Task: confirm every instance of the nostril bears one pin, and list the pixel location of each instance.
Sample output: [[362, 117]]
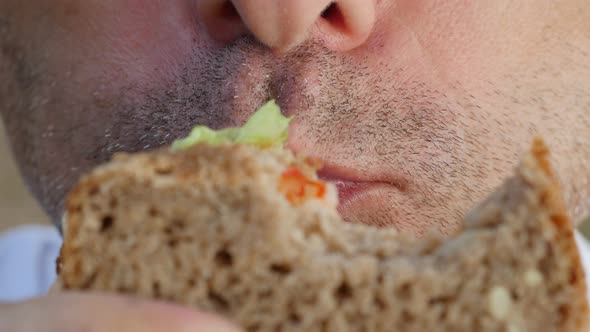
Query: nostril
[[345, 24], [333, 15], [228, 11], [221, 19], [329, 10]]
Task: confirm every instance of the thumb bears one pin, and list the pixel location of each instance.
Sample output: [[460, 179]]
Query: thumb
[[69, 312]]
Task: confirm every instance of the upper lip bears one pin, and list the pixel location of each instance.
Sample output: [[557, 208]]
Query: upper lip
[[337, 173], [349, 173]]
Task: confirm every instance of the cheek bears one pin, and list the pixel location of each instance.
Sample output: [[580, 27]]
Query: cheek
[[127, 42], [448, 41], [152, 40]]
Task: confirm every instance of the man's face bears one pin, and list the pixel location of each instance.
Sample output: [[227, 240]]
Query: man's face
[[419, 108]]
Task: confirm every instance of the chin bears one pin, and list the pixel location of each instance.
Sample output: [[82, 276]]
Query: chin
[[385, 206]]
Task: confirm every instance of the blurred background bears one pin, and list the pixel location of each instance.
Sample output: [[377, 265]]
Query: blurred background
[[16, 204], [18, 207]]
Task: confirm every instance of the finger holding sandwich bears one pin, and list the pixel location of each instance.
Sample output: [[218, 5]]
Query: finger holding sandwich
[[76, 312]]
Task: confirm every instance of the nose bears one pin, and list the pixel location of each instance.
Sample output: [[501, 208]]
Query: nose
[[284, 24]]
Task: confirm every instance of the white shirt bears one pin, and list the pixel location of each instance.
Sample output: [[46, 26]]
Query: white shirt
[[27, 261], [28, 254]]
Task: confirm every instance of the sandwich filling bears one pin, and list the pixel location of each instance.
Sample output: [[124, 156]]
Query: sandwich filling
[[266, 128]]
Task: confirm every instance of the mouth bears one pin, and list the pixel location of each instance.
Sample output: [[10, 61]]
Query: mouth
[[356, 187]]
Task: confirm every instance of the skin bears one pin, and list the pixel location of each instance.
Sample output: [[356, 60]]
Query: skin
[[81, 312], [428, 103]]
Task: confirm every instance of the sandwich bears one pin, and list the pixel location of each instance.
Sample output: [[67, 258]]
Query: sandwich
[[231, 222]]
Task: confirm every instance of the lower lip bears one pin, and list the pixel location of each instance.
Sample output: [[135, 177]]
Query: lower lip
[[352, 192], [348, 190]]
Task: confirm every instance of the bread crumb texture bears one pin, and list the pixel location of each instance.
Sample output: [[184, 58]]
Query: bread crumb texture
[[208, 228]]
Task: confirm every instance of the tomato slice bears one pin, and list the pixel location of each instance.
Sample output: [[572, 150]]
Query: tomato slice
[[298, 188], [315, 163]]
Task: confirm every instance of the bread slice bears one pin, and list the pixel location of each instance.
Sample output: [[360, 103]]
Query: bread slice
[[210, 227]]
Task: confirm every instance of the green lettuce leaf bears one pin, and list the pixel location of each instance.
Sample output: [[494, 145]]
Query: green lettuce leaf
[[266, 128]]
